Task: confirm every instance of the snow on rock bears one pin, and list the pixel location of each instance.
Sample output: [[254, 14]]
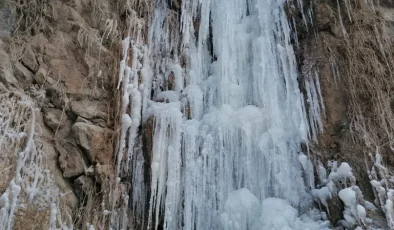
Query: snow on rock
[[342, 173], [241, 210], [348, 196], [279, 214], [170, 96]]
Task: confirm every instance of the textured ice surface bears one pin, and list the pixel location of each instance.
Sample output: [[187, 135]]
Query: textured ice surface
[[240, 91], [242, 210]]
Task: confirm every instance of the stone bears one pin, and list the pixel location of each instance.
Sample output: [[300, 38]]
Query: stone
[[83, 185], [95, 141], [6, 72], [23, 74], [70, 159], [57, 94], [29, 60], [55, 118], [90, 109], [41, 75]]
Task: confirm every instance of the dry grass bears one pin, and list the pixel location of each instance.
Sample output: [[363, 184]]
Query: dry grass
[[366, 52], [28, 15]]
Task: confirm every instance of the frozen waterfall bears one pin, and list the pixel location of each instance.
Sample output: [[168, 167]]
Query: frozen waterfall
[[222, 89]]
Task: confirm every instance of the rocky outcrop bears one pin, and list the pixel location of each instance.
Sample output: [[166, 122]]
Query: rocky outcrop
[[64, 60]]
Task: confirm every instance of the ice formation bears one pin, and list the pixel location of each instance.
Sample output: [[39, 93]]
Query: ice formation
[[228, 117], [243, 210]]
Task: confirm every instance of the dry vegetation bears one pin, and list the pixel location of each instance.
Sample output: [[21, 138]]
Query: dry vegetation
[[365, 54]]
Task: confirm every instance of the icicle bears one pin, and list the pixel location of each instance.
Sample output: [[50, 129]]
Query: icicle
[[245, 113]]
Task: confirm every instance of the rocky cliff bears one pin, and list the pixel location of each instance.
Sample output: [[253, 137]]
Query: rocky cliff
[[60, 57], [58, 102]]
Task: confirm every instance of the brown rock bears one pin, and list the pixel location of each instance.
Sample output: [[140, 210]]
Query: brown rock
[[90, 109], [55, 118], [95, 141], [70, 159]]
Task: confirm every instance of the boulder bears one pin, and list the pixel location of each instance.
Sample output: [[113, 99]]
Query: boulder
[[55, 118], [95, 141], [70, 159], [29, 60], [23, 74], [41, 75], [90, 109]]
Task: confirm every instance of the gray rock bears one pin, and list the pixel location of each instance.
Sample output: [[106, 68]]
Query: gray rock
[[6, 71], [29, 60], [70, 159], [41, 75], [23, 74]]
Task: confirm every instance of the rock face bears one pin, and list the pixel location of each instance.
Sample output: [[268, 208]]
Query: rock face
[[64, 60], [350, 82]]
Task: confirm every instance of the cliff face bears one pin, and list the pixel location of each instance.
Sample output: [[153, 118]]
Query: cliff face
[[351, 50], [58, 74], [61, 57]]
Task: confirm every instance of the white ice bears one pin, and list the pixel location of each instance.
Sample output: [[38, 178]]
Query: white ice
[[240, 90]]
